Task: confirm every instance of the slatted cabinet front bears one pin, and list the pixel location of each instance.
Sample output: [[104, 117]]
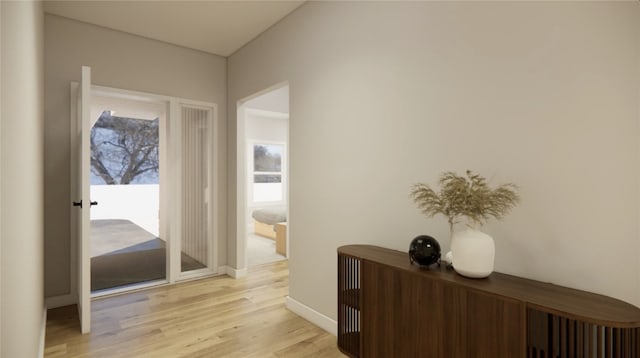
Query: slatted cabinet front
[[390, 308]]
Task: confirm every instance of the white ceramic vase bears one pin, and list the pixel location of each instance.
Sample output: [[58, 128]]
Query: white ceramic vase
[[473, 253]]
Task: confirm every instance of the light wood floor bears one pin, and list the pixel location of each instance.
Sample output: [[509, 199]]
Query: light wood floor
[[217, 317]]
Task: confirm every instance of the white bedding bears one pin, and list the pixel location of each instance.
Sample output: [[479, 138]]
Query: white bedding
[[270, 216]]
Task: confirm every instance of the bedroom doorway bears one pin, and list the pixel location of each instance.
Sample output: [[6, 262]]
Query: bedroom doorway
[[263, 185]]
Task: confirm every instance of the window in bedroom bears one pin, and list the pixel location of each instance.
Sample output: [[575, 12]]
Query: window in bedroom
[[267, 172]]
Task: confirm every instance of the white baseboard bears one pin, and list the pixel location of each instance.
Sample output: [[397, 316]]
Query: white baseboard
[[43, 332], [235, 273], [312, 315], [60, 301]]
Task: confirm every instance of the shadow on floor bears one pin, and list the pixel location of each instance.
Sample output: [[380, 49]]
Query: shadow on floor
[[142, 261]]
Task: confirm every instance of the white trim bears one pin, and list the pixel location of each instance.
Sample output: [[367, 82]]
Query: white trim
[[165, 190], [235, 273], [312, 315], [241, 187], [128, 288], [43, 332], [84, 240], [197, 274], [174, 210], [214, 172], [60, 301]]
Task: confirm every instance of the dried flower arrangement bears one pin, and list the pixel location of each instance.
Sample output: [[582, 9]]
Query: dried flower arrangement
[[469, 197]]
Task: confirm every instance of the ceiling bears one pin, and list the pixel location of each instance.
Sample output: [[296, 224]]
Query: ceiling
[[217, 27]]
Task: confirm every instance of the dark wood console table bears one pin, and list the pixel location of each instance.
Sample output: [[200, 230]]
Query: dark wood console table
[[389, 308]]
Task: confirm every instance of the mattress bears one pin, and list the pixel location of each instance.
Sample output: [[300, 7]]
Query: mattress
[[270, 216]]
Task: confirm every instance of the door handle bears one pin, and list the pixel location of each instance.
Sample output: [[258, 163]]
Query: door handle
[[79, 203]]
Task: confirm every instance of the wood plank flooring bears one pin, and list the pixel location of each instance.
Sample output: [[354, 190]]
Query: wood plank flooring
[[215, 317]]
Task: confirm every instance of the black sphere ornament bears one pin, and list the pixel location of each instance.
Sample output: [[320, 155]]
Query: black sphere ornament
[[424, 250]]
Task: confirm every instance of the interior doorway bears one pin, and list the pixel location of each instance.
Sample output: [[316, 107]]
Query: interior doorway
[[263, 177]]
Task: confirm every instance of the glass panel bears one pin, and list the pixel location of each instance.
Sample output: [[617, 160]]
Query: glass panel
[[267, 157], [195, 182], [124, 151], [267, 178], [267, 161], [125, 245]]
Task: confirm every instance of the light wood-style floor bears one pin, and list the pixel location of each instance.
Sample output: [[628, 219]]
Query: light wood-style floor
[[215, 317]]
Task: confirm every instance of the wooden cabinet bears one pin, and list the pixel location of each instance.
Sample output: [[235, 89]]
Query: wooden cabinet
[[390, 308]]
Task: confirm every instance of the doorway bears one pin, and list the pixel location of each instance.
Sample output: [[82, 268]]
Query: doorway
[[144, 152], [128, 236], [151, 164], [166, 143], [263, 177]]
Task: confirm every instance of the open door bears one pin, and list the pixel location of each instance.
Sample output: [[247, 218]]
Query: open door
[[82, 201]]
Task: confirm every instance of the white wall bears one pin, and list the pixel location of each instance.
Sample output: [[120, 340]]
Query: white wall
[[275, 100], [387, 94], [265, 128], [138, 203], [22, 194], [124, 61]]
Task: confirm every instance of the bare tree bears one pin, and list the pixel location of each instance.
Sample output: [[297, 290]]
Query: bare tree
[[123, 149]]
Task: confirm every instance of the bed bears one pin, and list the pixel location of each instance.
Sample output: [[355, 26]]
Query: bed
[[265, 219], [272, 223]]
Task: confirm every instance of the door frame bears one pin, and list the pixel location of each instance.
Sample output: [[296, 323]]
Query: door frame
[[176, 162], [241, 179], [80, 97], [168, 129]]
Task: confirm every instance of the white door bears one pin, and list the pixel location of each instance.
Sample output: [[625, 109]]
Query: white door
[[82, 200]]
